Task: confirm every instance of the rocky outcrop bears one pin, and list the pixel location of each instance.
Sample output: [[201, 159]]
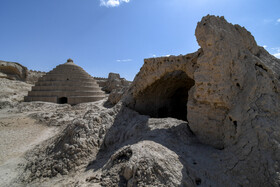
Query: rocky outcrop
[[13, 71], [16, 71]]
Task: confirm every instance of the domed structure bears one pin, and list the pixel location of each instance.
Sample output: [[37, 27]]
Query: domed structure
[[67, 83]]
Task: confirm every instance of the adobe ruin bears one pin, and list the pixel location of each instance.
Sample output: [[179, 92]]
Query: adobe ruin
[[67, 83], [215, 88]]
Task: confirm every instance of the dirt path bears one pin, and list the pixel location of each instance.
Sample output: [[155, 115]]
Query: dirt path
[[17, 135]]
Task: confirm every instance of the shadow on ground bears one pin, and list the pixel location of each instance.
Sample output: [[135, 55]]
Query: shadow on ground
[[130, 128]]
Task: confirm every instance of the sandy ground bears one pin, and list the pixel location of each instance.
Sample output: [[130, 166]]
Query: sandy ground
[[13, 91], [18, 134]]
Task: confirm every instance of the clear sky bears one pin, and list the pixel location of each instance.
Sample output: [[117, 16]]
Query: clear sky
[[115, 36]]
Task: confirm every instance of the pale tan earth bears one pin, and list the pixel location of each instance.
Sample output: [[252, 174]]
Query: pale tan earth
[[18, 134], [12, 92], [209, 118], [33, 76]]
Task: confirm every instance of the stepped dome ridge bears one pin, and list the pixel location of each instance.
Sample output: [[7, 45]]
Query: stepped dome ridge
[[66, 83]]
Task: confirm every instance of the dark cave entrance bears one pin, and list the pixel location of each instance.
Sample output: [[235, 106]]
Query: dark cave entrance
[[167, 97], [62, 100]]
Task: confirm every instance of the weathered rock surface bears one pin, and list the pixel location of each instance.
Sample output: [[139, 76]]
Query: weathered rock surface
[[233, 76], [12, 92], [13, 71], [116, 95], [33, 76], [116, 86], [115, 82], [16, 71]]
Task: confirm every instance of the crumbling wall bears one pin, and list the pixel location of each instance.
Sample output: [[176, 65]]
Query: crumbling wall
[[33, 76], [161, 76], [101, 81], [114, 81], [233, 73], [114, 85], [234, 104], [225, 77]]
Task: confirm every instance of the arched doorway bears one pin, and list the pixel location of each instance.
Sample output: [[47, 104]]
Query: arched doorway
[[166, 97], [62, 100]]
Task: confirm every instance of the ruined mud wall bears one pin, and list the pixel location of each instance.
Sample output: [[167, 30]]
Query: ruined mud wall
[[114, 81], [232, 101], [225, 76], [33, 76], [162, 84], [233, 77]]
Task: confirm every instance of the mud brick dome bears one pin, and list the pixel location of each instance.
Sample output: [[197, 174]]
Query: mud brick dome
[[67, 83]]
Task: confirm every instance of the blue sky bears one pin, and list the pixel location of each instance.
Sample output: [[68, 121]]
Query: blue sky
[[115, 36]]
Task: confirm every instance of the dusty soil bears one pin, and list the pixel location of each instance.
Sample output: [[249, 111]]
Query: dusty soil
[[18, 134]]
